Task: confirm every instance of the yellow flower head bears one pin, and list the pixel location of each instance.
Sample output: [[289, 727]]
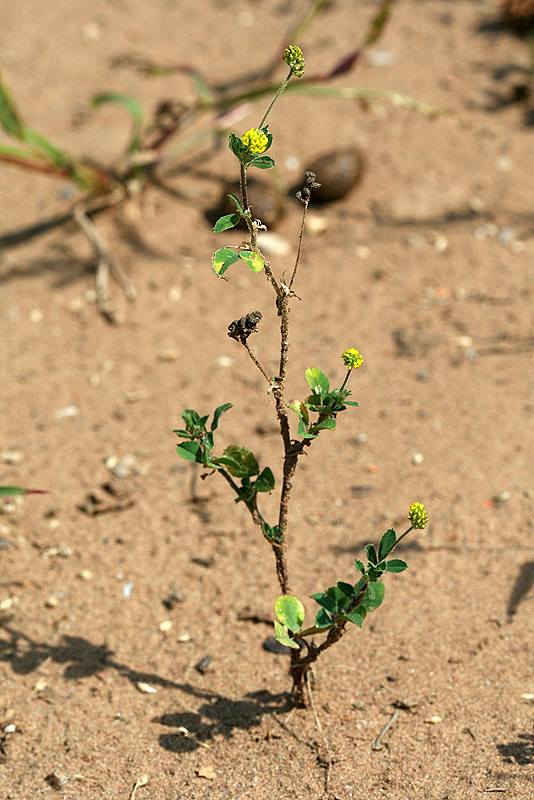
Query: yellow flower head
[[255, 140], [295, 60], [418, 516], [352, 358]]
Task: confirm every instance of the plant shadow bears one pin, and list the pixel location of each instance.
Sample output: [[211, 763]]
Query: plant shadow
[[519, 752], [215, 715], [218, 715]]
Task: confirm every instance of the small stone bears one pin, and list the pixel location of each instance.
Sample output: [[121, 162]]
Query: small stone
[[165, 626], [338, 172], [210, 773], [91, 31], [225, 361], [36, 315], [75, 305], [476, 205], [146, 688], [127, 589], [316, 224], [464, 341], [433, 720], [10, 728], [51, 602], [381, 58], [362, 252], [504, 164], [441, 243], [361, 438], [135, 395], [169, 354], [184, 637], [272, 244], [56, 780], [529, 697], [417, 459], [85, 574], [11, 457], [203, 665], [40, 685], [68, 411], [174, 294], [7, 603], [90, 296]]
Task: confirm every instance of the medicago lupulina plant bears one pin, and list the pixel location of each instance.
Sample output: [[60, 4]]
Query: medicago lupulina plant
[[343, 603]]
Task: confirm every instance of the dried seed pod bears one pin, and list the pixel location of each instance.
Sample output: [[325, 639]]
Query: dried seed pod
[[518, 14], [337, 173], [265, 202], [240, 329]]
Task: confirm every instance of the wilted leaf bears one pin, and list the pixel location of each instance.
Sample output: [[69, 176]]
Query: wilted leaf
[[289, 611]]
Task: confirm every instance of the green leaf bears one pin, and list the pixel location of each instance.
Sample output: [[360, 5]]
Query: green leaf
[[263, 162], [303, 431], [9, 491], [300, 410], [377, 591], [326, 424], [322, 619], [207, 441], [354, 617], [222, 259], [272, 534], [346, 588], [132, 106], [245, 461], [235, 144], [325, 601], [253, 260], [238, 205], [387, 543], [191, 451], [371, 553], [265, 481], [289, 611], [351, 403], [282, 634], [9, 115], [317, 380], [219, 411], [396, 565], [226, 222], [359, 566]]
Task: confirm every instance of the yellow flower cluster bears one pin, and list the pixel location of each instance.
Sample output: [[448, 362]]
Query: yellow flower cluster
[[352, 358], [255, 140], [295, 60], [418, 516]]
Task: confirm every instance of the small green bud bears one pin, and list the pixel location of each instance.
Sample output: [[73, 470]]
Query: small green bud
[[418, 516], [295, 60], [255, 140], [352, 358]]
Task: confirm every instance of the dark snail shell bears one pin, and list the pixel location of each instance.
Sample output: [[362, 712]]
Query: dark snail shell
[[338, 172], [265, 202]]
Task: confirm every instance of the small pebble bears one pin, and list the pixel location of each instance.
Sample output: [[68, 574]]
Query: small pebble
[[10, 728], [165, 626], [170, 354], [381, 58], [85, 574], [11, 457], [361, 438], [135, 395], [441, 243], [272, 244], [36, 315], [225, 361], [7, 603], [174, 294], [51, 602], [203, 665], [68, 411], [464, 341], [504, 164], [91, 31], [529, 697], [127, 589], [40, 685], [517, 246], [362, 252], [184, 637], [338, 172], [146, 688], [417, 459], [433, 720]]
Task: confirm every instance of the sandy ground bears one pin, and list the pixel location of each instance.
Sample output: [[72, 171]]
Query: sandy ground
[[427, 268]]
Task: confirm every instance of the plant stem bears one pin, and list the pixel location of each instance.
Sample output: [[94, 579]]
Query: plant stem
[[275, 98], [306, 202]]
